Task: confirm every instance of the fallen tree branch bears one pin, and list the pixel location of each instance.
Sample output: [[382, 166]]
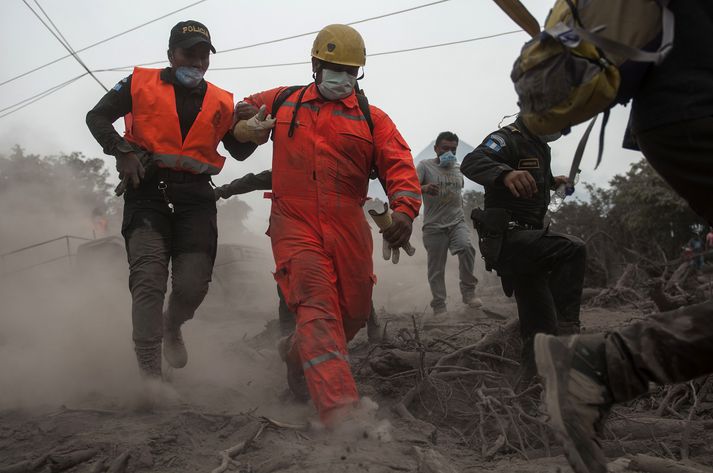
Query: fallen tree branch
[[119, 464], [649, 464], [65, 461], [227, 455]]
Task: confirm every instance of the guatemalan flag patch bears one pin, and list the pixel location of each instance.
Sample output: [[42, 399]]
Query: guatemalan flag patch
[[495, 142]]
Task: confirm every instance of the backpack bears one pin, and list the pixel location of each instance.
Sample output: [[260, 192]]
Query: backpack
[[591, 55], [362, 100]]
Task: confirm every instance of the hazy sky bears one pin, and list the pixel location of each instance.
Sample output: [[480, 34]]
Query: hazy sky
[[464, 88]]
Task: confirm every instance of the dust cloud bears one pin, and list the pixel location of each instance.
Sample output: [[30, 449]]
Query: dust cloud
[[65, 325], [65, 307]]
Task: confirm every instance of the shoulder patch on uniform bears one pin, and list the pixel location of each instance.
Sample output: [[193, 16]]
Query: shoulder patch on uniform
[[495, 142], [528, 163], [120, 84]]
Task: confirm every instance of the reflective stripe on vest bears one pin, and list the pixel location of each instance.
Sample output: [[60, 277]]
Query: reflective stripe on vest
[[184, 163], [154, 124], [322, 358]]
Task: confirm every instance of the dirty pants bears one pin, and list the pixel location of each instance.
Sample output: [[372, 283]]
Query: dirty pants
[[323, 259], [287, 319], [675, 346], [438, 241], [187, 238], [545, 270]]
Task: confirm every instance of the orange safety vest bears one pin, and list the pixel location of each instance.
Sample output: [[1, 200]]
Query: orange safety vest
[[153, 124]]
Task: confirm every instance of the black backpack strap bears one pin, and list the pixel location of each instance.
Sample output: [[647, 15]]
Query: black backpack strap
[[280, 100], [364, 107], [363, 102]]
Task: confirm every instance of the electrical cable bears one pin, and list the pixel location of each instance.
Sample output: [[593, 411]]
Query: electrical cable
[[261, 66], [30, 100], [62, 40], [286, 38], [383, 53], [19, 76]]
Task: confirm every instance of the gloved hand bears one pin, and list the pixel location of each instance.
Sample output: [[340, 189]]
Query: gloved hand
[[255, 129], [219, 193], [244, 111], [130, 171], [396, 229]]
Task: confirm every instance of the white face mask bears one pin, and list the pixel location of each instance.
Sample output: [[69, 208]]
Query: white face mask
[[336, 85]]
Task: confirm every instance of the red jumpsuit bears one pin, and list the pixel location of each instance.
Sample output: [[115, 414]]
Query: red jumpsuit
[[321, 240]]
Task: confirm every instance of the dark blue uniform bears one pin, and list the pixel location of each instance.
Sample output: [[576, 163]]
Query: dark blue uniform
[[545, 270]]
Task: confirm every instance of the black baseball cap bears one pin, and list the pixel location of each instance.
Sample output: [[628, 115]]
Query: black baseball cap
[[189, 33]]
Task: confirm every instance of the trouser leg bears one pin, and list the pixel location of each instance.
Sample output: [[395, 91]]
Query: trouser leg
[[147, 233], [308, 281], [194, 246], [535, 309], [461, 246], [286, 318], [682, 154], [567, 280], [436, 243], [665, 348]]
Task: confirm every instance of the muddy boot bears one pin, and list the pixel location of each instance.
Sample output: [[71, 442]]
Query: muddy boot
[[440, 310], [174, 350], [577, 396], [149, 358], [295, 374], [473, 302]]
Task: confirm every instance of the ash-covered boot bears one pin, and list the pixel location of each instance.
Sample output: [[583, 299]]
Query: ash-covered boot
[[174, 349], [577, 394], [295, 374], [148, 357]]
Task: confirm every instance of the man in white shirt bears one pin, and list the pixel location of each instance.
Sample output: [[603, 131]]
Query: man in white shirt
[[444, 226]]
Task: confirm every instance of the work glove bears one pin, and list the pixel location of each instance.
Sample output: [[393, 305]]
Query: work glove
[[383, 219], [256, 129], [131, 171], [220, 193]]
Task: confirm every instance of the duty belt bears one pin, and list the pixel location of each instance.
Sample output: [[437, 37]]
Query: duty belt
[[515, 225], [171, 175]]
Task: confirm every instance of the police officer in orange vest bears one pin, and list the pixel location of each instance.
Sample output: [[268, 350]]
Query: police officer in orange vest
[[179, 119], [324, 151]]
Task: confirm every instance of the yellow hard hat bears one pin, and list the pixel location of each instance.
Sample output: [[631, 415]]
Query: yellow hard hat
[[340, 44]]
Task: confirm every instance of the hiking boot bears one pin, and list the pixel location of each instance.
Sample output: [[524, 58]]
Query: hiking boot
[[295, 374], [472, 301], [149, 360], [174, 350], [440, 310], [576, 395]]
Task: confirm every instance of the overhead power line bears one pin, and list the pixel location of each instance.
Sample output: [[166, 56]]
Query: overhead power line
[[62, 39], [260, 66], [286, 38], [383, 53], [30, 100], [130, 30]]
